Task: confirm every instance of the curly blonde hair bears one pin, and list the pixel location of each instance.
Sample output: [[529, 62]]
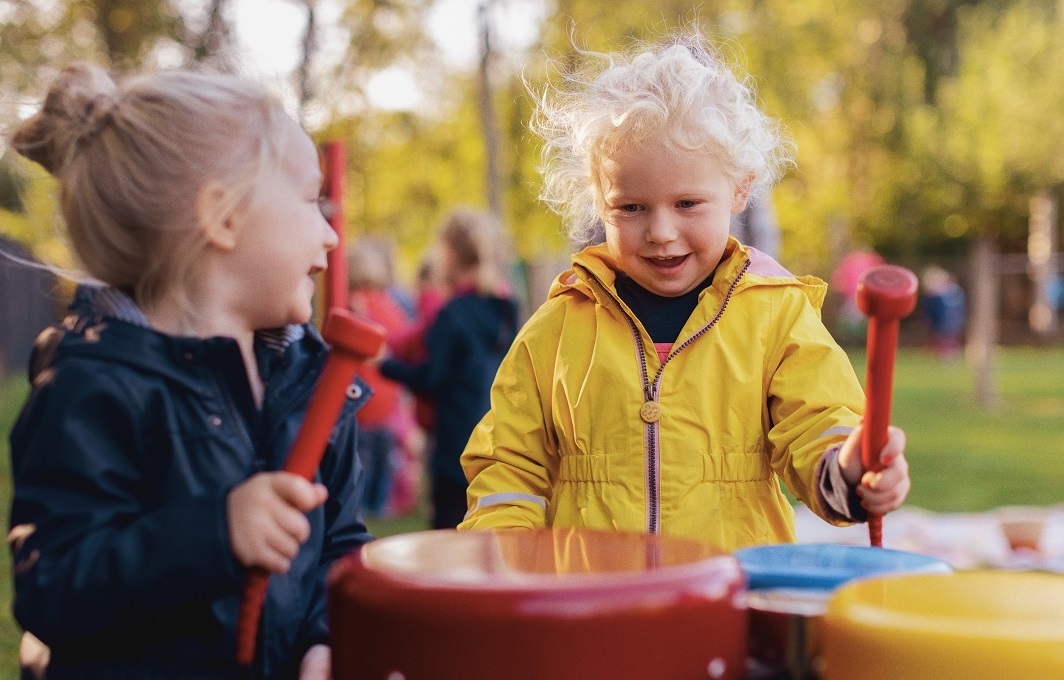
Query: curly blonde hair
[[680, 91], [131, 156]]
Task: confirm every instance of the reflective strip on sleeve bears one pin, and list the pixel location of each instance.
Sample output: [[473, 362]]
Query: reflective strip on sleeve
[[504, 498], [838, 429]]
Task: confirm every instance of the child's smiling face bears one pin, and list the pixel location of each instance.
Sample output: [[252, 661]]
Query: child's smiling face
[[285, 238], [666, 214]]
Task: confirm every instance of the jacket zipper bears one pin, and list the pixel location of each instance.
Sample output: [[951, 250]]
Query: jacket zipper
[[290, 406], [652, 389], [234, 414]]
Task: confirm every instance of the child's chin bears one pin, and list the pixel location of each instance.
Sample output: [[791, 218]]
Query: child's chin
[[297, 317], [300, 318]]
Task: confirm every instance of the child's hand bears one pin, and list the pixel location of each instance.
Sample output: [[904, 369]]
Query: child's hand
[[317, 664], [267, 521], [883, 491]]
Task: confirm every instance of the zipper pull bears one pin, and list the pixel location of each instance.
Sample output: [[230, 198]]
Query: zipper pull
[[650, 412]]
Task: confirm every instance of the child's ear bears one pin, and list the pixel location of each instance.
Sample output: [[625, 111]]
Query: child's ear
[[742, 194], [215, 217]]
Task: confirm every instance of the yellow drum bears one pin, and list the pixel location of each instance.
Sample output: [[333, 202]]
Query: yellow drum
[[968, 625]]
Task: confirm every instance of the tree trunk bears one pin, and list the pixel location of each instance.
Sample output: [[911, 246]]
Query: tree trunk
[[216, 43], [487, 112], [306, 59], [983, 326]]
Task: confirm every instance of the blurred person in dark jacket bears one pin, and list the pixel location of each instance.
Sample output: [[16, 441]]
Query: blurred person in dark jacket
[[464, 346]]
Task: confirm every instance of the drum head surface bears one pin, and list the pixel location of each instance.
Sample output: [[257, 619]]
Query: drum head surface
[[529, 559], [826, 567]]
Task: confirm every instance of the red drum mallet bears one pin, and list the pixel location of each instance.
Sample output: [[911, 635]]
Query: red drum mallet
[[352, 341], [885, 295]]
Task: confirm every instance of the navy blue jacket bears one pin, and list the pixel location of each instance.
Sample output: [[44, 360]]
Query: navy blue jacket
[[466, 344], [122, 459]]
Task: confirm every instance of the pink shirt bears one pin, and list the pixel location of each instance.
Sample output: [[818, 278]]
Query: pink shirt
[[663, 349]]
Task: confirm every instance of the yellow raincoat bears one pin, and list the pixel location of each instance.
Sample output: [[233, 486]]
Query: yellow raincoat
[[587, 428]]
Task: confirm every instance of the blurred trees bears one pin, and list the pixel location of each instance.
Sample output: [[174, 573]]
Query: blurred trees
[[919, 123], [996, 136]]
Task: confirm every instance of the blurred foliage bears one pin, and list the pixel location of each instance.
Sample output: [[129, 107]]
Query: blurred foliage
[[380, 33], [919, 123], [11, 188], [997, 135]]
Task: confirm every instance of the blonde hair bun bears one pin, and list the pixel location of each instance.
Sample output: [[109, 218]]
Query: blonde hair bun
[[76, 106]]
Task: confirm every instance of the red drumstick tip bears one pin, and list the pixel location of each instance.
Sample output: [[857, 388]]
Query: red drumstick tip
[[351, 334]]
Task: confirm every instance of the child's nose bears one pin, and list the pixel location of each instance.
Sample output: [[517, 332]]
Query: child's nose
[[331, 239], [660, 228]]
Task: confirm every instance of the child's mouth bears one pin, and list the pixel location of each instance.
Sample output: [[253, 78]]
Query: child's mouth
[[667, 262]]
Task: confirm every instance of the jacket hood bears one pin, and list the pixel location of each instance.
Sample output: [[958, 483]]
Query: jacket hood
[[594, 263]]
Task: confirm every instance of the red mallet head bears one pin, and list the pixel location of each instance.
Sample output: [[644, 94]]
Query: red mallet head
[[887, 292], [352, 335]]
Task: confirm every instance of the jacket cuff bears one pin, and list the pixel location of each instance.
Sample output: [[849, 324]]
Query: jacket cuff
[[838, 499]]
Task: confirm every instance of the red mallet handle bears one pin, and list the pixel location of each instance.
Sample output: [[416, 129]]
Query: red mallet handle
[[885, 295], [352, 340]]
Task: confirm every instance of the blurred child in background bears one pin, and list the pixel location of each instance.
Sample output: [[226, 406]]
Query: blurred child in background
[[464, 345], [370, 284], [410, 347]]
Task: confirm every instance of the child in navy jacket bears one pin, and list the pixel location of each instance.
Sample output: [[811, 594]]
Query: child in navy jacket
[[146, 460]]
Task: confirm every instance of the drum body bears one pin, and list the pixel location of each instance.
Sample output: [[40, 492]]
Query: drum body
[[789, 589], [543, 604], [969, 625]]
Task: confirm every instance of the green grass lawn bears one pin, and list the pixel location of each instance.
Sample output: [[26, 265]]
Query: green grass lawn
[[12, 394], [961, 457]]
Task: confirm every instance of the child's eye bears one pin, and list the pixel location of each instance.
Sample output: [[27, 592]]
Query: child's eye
[[629, 207], [686, 204]]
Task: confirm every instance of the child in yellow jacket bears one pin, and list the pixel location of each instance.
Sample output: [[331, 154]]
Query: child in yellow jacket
[[673, 376]]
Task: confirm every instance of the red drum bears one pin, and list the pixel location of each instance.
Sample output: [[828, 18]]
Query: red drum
[[532, 604]]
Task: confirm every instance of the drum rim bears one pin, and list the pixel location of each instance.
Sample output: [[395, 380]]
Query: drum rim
[[717, 572], [848, 604], [723, 568]]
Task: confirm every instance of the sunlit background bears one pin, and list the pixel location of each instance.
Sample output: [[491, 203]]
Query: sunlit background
[[923, 127]]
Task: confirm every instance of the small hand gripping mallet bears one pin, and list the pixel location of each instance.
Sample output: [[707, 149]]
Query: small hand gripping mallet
[[885, 294], [352, 340]]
